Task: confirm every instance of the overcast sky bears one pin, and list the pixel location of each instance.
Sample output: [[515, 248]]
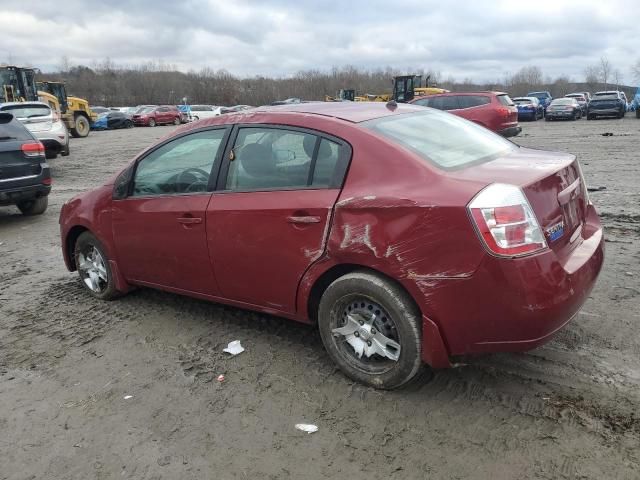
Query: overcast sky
[[481, 40]]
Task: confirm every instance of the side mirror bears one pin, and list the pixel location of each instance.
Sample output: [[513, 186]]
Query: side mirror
[[122, 184]]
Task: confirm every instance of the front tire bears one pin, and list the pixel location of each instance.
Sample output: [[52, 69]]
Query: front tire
[[37, 206], [81, 127], [370, 328], [177, 121], [93, 267], [152, 122]]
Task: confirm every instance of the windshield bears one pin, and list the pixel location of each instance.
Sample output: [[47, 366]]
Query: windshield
[[146, 110], [444, 139], [28, 111]]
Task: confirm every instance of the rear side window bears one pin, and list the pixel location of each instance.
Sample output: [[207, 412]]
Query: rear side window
[[274, 158], [445, 140], [469, 101], [11, 129], [505, 100], [441, 103]]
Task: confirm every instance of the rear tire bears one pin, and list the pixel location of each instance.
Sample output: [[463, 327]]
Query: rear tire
[[394, 321], [36, 206], [638, 111], [81, 127], [101, 277]]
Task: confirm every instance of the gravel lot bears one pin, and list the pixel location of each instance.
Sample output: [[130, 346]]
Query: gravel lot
[[67, 362]]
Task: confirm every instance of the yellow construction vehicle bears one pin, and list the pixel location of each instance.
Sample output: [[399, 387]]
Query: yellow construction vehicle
[[405, 89], [17, 84], [344, 95], [74, 111]]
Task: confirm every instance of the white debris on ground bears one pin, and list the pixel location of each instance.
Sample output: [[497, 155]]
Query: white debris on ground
[[306, 427], [234, 348]]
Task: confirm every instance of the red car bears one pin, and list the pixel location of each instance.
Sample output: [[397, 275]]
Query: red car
[[162, 115], [407, 235], [493, 110]]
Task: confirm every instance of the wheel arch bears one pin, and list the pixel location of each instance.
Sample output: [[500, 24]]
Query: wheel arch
[[70, 244], [325, 279]]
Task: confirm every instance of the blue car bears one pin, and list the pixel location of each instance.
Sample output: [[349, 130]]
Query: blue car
[[544, 98], [529, 108]]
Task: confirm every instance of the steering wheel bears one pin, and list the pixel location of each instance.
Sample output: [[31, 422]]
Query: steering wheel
[[200, 179]]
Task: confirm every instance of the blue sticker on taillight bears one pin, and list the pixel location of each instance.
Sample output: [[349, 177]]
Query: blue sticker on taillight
[[556, 231]]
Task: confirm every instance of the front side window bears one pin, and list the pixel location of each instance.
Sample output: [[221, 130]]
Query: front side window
[[181, 166], [446, 140], [273, 158]]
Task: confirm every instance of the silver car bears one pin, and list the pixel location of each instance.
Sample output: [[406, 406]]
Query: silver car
[[44, 123]]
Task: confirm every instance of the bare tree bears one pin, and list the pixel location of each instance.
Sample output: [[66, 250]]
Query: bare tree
[[604, 68], [617, 77], [636, 70]]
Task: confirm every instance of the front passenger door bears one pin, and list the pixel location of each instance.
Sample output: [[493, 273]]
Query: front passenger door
[[159, 228]]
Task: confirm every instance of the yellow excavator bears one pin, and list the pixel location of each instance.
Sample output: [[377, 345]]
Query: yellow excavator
[[74, 111]]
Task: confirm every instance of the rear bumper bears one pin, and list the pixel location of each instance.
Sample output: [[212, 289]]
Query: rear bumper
[[513, 305], [604, 111], [510, 131], [11, 196], [560, 114]]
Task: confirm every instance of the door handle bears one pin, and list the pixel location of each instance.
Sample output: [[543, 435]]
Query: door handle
[[189, 220], [304, 219]]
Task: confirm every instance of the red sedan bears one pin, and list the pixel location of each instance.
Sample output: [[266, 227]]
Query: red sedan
[[407, 235], [493, 110]]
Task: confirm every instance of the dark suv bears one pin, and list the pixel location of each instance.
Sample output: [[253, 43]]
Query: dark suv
[[25, 180]]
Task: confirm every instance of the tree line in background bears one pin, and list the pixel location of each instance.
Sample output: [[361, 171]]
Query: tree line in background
[[108, 84]]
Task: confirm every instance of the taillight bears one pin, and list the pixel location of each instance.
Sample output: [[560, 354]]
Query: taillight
[[33, 149], [47, 181], [505, 221]]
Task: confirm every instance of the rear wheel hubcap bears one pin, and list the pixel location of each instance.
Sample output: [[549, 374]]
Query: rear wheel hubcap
[[367, 335]]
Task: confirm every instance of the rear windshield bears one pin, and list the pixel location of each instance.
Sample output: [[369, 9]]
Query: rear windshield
[[505, 100], [538, 95], [563, 101], [11, 129], [448, 141], [27, 111], [605, 97], [523, 101]]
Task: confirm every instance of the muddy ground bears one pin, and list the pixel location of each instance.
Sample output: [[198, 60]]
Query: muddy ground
[[566, 410]]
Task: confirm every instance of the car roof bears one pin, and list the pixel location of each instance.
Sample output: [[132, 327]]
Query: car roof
[[354, 112]]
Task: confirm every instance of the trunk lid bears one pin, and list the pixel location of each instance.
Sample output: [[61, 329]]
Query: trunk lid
[[553, 185]]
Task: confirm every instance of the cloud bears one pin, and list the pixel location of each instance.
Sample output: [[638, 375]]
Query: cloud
[[463, 38]]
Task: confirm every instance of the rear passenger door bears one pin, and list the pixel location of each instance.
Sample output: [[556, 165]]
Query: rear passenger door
[[269, 220]]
